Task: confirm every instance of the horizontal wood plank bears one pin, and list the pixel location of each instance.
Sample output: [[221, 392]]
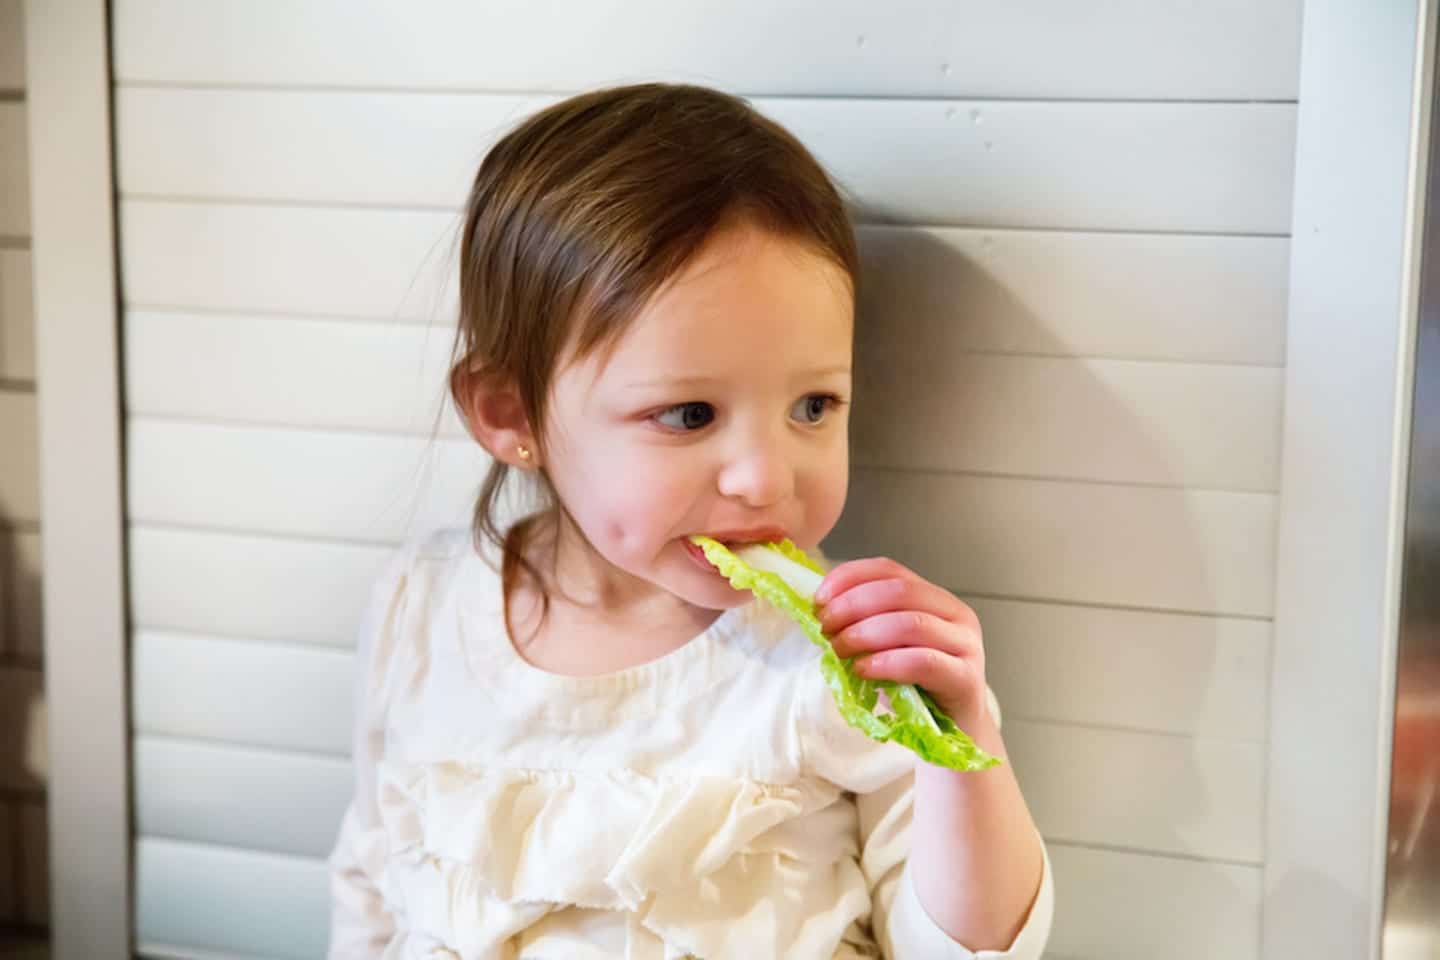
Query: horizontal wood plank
[[270, 144], [921, 406], [1211, 168], [236, 901], [1058, 293], [19, 467], [17, 316], [260, 800], [384, 377], [1111, 166], [14, 171], [1167, 49], [1168, 673], [1129, 906], [371, 488], [378, 264], [1154, 792], [1190, 551], [289, 697], [199, 581]]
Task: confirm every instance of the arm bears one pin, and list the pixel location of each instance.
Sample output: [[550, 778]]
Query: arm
[[883, 778], [899, 846], [979, 874], [979, 871], [361, 925]]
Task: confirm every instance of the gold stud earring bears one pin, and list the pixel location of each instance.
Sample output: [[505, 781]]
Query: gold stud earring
[[523, 452]]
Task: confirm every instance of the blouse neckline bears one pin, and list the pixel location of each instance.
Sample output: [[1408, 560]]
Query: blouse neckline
[[483, 603]]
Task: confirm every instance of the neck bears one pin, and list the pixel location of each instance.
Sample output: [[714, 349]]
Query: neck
[[586, 578], [600, 617]]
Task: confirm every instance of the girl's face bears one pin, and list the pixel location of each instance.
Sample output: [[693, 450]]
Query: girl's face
[[721, 411]]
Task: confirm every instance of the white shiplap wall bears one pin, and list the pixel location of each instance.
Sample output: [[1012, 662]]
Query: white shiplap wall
[[24, 897], [1072, 343]]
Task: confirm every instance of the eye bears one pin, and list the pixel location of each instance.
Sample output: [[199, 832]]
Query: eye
[[686, 416], [812, 407]]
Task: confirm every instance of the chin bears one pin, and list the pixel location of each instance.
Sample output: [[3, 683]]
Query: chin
[[713, 593], [730, 599]]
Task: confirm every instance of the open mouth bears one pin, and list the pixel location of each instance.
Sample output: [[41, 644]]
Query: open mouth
[[732, 541], [698, 556]]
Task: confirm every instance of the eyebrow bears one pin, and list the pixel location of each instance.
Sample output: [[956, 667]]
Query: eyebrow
[[701, 381]]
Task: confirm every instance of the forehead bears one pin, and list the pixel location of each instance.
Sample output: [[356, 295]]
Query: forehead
[[749, 301]]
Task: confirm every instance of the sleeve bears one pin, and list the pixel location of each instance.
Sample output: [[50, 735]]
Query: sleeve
[[361, 925], [882, 777]]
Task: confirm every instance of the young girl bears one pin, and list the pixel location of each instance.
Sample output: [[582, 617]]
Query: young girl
[[575, 739]]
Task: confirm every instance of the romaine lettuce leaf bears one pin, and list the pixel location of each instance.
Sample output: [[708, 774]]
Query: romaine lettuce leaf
[[783, 575]]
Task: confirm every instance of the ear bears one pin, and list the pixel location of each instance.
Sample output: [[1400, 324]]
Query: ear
[[491, 409]]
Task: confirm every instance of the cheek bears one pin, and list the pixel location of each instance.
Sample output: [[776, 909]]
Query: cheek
[[824, 490], [620, 533], [634, 513]]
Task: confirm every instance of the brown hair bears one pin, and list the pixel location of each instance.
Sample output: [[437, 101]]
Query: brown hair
[[580, 214]]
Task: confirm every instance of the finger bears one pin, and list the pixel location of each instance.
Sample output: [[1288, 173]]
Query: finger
[[903, 628], [944, 676], [957, 686], [874, 597], [854, 572]]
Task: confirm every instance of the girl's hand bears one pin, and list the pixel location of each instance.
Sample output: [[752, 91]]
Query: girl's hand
[[899, 626]]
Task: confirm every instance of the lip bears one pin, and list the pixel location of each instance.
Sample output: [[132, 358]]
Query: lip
[[752, 535]]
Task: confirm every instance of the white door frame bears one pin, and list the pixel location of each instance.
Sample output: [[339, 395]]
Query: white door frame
[[1359, 183], [77, 377]]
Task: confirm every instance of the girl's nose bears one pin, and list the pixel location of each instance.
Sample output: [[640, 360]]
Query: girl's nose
[[760, 477]]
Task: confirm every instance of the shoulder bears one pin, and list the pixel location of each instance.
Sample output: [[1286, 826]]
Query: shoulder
[[415, 580], [439, 551], [422, 568]]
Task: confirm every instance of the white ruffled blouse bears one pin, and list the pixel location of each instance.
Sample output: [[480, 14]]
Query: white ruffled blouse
[[711, 803]]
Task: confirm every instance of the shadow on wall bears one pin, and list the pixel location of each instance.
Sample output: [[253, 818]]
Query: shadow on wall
[[935, 484], [24, 884]]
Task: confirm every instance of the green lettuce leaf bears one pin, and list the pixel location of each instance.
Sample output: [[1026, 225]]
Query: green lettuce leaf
[[915, 721]]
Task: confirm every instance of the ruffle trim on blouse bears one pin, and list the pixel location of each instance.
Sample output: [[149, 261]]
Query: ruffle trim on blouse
[[476, 855]]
